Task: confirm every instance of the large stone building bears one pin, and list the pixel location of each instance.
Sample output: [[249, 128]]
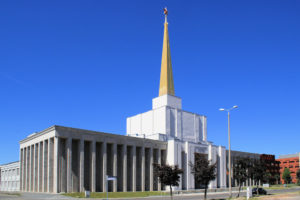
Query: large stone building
[[62, 159], [10, 177]]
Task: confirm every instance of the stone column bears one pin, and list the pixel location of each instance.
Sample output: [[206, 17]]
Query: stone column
[[26, 169], [151, 177], [159, 162], [104, 157], [124, 156], [133, 168], [93, 174], [50, 165], [81, 167], [115, 165], [34, 167], [143, 168], [44, 167], [21, 169], [69, 165], [56, 165], [30, 166]]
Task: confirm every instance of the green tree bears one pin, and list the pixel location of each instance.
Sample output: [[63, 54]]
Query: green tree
[[240, 171], [203, 171], [258, 172], [168, 175], [298, 177], [286, 176], [277, 178]]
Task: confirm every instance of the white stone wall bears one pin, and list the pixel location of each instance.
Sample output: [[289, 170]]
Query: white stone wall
[[10, 177], [185, 132], [167, 118]]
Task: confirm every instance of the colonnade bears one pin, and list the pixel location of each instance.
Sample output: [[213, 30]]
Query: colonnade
[[37, 166], [70, 164]]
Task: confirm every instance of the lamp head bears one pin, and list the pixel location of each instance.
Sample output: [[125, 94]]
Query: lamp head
[[235, 106], [221, 109]]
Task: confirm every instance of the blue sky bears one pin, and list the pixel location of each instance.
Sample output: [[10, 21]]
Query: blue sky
[[91, 64]]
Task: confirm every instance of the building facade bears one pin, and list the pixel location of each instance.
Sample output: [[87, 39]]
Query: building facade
[[10, 177], [272, 167], [235, 155], [290, 161], [62, 159]]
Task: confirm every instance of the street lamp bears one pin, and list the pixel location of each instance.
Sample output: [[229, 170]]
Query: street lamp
[[229, 149]]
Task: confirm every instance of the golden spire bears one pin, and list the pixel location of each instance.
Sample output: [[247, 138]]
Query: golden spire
[[166, 85]]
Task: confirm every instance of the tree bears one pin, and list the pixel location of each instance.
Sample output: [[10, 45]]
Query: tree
[[258, 172], [277, 178], [203, 171], [286, 176], [168, 175], [240, 171], [298, 177]]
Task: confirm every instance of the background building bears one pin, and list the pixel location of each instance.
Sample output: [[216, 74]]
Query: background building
[[290, 161], [234, 156], [273, 167], [10, 176]]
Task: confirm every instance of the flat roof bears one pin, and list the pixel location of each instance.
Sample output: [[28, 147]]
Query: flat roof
[[289, 155]]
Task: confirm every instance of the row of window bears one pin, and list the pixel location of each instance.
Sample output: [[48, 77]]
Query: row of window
[[291, 161], [10, 172]]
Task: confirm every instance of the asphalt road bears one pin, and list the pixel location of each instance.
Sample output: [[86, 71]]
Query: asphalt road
[[41, 196]]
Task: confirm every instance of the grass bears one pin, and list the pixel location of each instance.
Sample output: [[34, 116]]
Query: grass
[[278, 187], [11, 193], [117, 194]]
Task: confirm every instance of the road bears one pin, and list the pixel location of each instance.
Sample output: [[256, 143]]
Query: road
[[41, 196]]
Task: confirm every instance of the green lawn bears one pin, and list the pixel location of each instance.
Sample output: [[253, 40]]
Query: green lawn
[[278, 187], [118, 194]]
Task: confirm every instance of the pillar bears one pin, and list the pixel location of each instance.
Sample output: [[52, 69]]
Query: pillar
[[45, 167], [159, 162], [21, 169], [93, 173], [143, 168], [26, 169], [124, 156], [69, 165], [50, 165], [151, 177], [133, 168], [104, 157], [81, 165], [34, 168], [56, 165], [115, 165], [29, 168]]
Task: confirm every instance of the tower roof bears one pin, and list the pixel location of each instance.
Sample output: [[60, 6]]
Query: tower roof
[[166, 85]]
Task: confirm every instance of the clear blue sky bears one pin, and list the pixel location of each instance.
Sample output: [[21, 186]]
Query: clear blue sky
[[91, 64]]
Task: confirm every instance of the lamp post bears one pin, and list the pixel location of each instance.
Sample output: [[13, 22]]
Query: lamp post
[[229, 147]]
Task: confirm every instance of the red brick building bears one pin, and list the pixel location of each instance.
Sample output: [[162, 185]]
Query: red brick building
[[290, 161]]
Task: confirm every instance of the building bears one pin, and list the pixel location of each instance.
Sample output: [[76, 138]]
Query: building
[[10, 177], [62, 159], [290, 161], [235, 155], [272, 167]]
